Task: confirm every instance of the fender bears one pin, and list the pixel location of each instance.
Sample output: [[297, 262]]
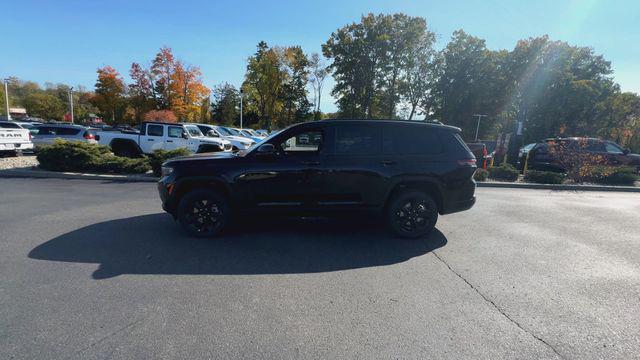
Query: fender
[[127, 142]]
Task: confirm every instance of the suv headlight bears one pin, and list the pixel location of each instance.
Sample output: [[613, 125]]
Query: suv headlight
[[166, 171]]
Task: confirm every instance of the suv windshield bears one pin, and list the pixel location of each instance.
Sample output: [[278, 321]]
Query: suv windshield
[[193, 130]]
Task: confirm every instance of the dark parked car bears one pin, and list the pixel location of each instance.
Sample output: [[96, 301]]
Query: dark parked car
[[406, 170], [540, 158]]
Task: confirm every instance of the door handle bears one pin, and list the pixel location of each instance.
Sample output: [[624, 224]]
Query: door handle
[[310, 163], [150, 140], [388, 162], [169, 140]]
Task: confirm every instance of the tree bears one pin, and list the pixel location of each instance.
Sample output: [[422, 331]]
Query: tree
[[44, 105], [161, 115], [468, 79], [263, 82], [224, 107], [295, 103], [371, 60], [188, 92], [163, 68], [109, 93], [318, 73], [141, 96]]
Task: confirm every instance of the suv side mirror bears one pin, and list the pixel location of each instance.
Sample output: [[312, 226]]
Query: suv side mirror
[[266, 149], [185, 135], [212, 133], [626, 151]]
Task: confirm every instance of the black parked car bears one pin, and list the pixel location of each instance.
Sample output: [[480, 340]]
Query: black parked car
[[408, 171], [612, 154]]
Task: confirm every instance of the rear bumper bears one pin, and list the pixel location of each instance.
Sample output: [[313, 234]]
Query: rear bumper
[[458, 206], [16, 146]]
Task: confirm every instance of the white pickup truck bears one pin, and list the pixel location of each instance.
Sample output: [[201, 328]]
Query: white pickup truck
[[14, 138], [156, 136]]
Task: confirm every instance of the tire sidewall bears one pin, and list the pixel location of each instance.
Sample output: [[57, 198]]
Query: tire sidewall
[[399, 200], [199, 194]]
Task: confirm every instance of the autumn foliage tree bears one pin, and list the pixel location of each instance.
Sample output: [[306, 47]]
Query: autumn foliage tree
[[188, 92], [161, 115], [109, 93]]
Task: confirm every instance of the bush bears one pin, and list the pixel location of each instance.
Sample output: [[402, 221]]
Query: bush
[[481, 175], [609, 175], [78, 156], [160, 156], [544, 177], [505, 172]]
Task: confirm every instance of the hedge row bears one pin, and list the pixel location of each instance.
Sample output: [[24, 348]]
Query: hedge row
[[75, 156]]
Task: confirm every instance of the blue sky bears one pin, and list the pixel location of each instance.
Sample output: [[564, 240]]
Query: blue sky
[[65, 41]]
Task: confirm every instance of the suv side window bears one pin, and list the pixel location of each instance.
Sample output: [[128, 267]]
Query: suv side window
[[305, 142], [358, 140], [44, 130], [66, 131], [175, 131], [613, 148], [411, 140], [155, 130]]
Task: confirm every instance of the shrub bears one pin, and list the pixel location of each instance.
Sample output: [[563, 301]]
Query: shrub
[[78, 156], [544, 177], [505, 172], [481, 175], [160, 156], [609, 175]]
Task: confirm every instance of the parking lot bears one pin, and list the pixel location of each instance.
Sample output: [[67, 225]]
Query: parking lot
[[94, 269]]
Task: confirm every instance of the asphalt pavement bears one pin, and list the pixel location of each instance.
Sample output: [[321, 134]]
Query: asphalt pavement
[[95, 270]]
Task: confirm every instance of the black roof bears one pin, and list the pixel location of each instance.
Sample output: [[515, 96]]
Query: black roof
[[390, 121]]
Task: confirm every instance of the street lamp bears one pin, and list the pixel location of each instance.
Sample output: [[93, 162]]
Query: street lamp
[[241, 92], [478, 126], [71, 103], [6, 97]]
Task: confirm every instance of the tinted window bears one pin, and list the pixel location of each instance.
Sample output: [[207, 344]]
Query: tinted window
[[303, 142], [155, 130], [613, 148], [411, 140], [7, 125], [44, 130], [358, 140], [64, 131], [175, 131]]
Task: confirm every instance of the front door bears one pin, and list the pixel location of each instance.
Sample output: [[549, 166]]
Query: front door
[[284, 180]]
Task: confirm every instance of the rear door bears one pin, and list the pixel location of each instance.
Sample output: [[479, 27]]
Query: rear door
[[353, 173], [153, 138]]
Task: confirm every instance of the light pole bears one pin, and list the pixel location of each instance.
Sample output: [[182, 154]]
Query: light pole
[[478, 126], [6, 97], [241, 92], [71, 103]]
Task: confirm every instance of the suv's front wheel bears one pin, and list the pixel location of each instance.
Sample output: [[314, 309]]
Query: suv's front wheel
[[412, 214], [203, 212]]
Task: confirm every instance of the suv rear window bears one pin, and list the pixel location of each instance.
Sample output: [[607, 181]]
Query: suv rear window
[[66, 131], [411, 140], [155, 130]]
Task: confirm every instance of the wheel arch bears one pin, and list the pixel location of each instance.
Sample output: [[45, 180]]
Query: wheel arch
[[428, 186], [185, 185]]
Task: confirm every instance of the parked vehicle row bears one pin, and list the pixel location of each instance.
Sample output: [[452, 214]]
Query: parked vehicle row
[[406, 170], [601, 151]]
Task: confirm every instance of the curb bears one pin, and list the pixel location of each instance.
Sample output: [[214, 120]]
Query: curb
[[561, 187], [44, 174]]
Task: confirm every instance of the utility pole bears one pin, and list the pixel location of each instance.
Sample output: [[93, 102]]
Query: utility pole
[[241, 92], [6, 97], [71, 103], [478, 126]]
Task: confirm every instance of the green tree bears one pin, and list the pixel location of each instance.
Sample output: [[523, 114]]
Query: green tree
[[44, 105], [225, 104]]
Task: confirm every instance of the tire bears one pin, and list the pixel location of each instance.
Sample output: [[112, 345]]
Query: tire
[[203, 213], [125, 150], [412, 214]]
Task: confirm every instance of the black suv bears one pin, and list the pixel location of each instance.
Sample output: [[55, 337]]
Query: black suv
[[407, 170]]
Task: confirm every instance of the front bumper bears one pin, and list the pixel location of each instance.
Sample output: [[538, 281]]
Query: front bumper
[[165, 189]]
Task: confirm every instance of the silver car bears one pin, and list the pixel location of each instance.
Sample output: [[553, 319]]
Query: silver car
[[47, 133]]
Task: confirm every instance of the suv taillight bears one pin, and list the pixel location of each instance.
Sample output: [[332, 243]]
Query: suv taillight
[[89, 136], [30, 137], [467, 162]]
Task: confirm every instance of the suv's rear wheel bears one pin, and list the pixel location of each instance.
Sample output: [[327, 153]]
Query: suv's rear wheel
[[203, 212], [412, 214]]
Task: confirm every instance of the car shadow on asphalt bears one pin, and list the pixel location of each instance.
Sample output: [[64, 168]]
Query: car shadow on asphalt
[[155, 244]]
